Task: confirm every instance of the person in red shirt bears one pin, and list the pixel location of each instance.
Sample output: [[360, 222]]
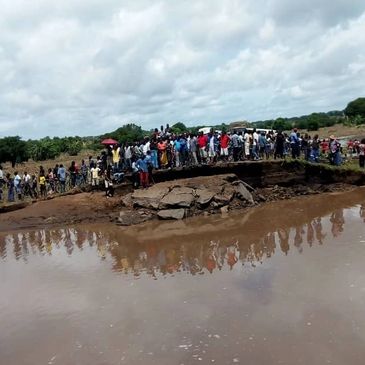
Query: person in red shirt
[[202, 143], [224, 142], [350, 147], [324, 146]]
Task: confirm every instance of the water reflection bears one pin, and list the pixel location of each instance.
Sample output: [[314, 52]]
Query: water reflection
[[204, 253]]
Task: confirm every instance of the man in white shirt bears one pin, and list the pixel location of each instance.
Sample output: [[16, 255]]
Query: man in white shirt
[[255, 144], [246, 139], [146, 147], [95, 171], [1, 182], [128, 156]]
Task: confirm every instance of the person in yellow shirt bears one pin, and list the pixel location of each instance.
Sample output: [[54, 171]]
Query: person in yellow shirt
[[42, 185], [115, 156]]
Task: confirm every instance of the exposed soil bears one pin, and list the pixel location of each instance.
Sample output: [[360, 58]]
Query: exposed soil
[[83, 207], [96, 208]]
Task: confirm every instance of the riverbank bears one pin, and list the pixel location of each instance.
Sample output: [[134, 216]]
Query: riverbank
[[188, 192]]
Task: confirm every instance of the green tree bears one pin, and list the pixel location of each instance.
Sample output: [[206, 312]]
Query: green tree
[[43, 149], [179, 128], [281, 124], [13, 149], [127, 133], [356, 107], [74, 147], [313, 122]]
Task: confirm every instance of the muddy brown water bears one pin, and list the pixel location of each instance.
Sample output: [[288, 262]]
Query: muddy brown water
[[281, 284]]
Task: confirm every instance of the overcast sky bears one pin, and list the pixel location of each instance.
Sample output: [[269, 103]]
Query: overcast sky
[[87, 67]]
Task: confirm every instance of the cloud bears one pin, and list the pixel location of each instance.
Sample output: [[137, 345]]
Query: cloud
[[87, 67]]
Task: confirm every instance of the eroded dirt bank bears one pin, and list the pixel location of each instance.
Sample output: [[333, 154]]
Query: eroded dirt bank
[[175, 200], [187, 192]]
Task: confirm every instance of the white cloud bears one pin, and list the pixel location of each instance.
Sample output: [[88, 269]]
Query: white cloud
[[69, 64]]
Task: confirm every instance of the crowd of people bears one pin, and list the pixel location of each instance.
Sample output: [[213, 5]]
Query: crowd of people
[[165, 150]]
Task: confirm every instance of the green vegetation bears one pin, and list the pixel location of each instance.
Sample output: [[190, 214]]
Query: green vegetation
[[15, 150], [127, 133], [355, 111], [311, 122]]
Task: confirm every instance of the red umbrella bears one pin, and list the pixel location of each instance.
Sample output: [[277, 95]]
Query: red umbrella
[[109, 141]]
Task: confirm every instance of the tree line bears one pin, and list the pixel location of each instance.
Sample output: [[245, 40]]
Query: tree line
[[16, 150]]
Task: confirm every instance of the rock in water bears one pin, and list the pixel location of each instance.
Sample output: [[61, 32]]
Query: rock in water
[[171, 214], [177, 197], [149, 198], [204, 197], [243, 193]]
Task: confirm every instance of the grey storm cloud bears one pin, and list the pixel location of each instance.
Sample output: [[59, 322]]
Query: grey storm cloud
[[87, 67]]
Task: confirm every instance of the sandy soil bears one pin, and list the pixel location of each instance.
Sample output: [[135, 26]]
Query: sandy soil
[[69, 209]]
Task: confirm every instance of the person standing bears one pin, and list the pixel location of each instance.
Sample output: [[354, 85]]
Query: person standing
[[62, 178], [224, 142], [335, 155], [262, 141], [235, 145], [177, 147], [84, 172], [128, 156], [314, 156], [305, 147], [362, 153], [294, 143], [246, 139], [279, 145], [26, 182], [162, 149], [18, 185], [42, 185], [211, 151], [255, 145], [73, 173], [193, 147], [95, 171], [202, 143], [142, 167], [10, 185], [2, 182]]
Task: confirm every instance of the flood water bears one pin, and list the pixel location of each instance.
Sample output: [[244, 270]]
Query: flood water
[[281, 284]]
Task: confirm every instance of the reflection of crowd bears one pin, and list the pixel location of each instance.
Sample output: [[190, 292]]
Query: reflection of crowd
[[156, 258]]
